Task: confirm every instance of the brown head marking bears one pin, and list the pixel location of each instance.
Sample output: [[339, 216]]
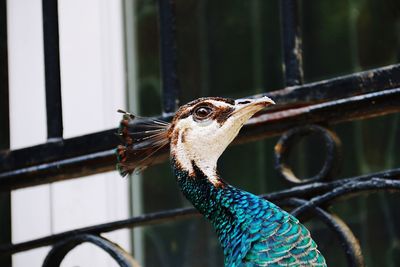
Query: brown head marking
[[186, 110], [222, 114]]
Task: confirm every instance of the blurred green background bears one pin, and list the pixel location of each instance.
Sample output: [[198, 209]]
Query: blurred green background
[[233, 48]]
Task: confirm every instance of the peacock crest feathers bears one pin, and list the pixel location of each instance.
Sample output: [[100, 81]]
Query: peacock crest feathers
[[140, 139]]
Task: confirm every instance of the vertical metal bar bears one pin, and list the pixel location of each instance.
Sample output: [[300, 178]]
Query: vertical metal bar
[[52, 69], [5, 197], [4, 102], [292, 43], [204, 47], [136, 181], [256, 33], [168, 55]]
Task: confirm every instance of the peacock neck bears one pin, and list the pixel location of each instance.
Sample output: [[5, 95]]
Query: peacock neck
[[224, 206], [198, 189]]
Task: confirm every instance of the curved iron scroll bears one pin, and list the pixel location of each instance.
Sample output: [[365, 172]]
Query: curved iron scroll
[[61, 249], [291, 137], [347, 239]]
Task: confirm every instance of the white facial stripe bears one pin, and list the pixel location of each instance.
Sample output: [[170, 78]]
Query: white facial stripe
[[219, 104]]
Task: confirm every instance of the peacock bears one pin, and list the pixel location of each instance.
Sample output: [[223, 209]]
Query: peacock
[[251, 230]]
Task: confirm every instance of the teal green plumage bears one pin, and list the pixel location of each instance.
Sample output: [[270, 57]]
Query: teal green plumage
[[251, 230]]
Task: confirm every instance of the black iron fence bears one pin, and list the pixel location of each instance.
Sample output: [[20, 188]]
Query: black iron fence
[[301, 110]]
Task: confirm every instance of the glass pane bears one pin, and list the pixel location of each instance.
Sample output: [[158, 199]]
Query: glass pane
[[233, 48]]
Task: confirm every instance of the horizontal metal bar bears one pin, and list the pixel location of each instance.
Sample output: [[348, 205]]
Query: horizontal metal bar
[[147, 219], [262, 126], [309, 190], [52, 69], [59, 150], [58, 170], [340, 87], [383, 180], [345, 86], [332, 112], [93, 153]]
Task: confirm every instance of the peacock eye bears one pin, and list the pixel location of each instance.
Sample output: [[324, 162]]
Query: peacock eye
[[202, 113]]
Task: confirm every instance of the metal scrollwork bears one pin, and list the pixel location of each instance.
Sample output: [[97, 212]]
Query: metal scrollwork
[[319, 192], [61, 249], [293, 136]]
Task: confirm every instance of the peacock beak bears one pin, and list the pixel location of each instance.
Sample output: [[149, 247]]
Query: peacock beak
[[248, 107]]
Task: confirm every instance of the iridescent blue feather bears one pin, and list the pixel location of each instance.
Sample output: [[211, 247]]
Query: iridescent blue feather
[[251, 230]]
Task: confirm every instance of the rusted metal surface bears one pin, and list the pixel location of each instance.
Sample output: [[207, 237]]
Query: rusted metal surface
[[292, 137], [331, 112], [292, 43], [374, 80]]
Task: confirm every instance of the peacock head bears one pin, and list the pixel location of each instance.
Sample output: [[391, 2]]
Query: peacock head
[[202, 129], [199, 133]]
